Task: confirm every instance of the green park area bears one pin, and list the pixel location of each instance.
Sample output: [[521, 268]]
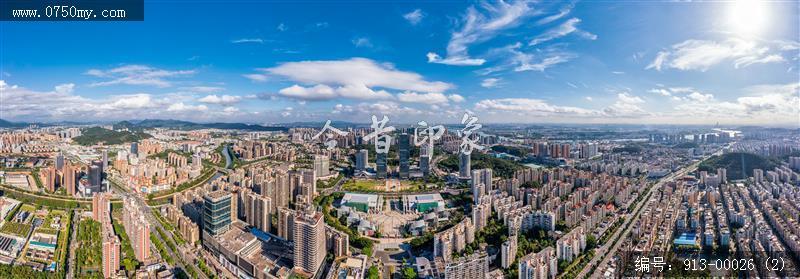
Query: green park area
[[89, 252], [373, 185]]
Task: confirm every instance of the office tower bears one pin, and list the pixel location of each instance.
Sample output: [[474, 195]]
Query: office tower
[[59, 161], [425, 154], [309, 241], [286, 223], [111, 254], [70, 181], [380, 165], [321, 165], [404, 151], [105, 160], [216, 212], [135, 148], [463, 165], [137, 228], [101, 207], [361, 160]]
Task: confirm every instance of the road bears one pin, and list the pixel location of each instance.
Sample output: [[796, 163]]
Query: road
[[71, 257], [335, 188], [147, 212], [604, 253]]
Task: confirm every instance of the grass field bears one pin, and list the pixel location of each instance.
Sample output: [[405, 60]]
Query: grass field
[[371, 185], [16, 229], [363, 185], [89, 252]]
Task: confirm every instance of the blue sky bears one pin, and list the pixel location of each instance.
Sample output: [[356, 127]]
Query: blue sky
[[527, 62]]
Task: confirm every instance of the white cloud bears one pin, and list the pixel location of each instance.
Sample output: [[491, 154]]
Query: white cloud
[[455, 98], [562, 30], [478, 27], [763, 104], [66, 88], [282, 27], [526, 63], [414, 17], [64, 104], [203, 89], [626, 106], [256, 77], [220, 100], [137, 75], [490, 82], [697, 96], [425, 98], [181, 107], [700, 55], [554, 17], [626, 97], [362, 42], [534, 107], [316, 93], [588, 98], [354, 78], [248, 40], [323, 92]]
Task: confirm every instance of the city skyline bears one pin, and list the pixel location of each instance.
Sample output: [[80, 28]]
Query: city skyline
[[506, 62]]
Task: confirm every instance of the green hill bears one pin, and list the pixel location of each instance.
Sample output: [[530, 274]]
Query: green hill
[[500, 167], [732, 162], [95, 135]]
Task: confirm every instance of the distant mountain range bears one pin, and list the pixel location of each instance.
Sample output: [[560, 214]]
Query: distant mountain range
[[159, 123], [9, 124], [186, 125]]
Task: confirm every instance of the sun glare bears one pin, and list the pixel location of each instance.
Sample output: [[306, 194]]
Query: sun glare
[[748, 17]]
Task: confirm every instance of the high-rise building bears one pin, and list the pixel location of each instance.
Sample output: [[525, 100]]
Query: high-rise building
[[474, 266], [111, 256], [481, 183], [283, 189], [722, 173], [137, 228], [309, 241], [49, 178], [404, 152], [69, 179], [508, 251], [425, 155], [59, 161], [380, 165], [361, 160], [101, 207], [258, 211], [308, 186], [217, 212], [543, 264], [286, 223], [463, 165], [105, 159], [321, 165], [135, 148]]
